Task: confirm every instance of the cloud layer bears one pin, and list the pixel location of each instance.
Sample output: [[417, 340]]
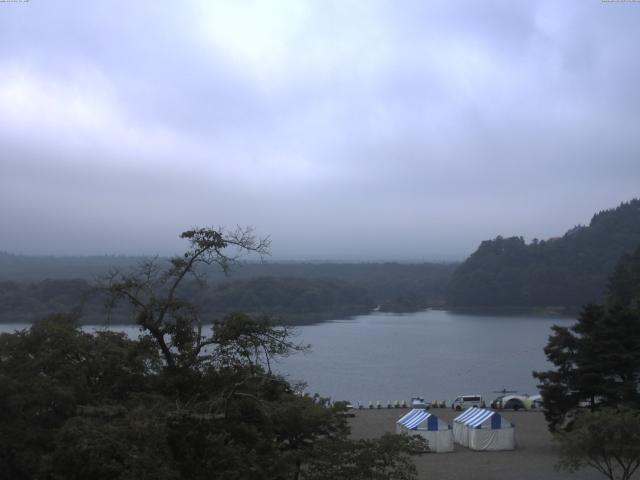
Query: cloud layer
[[344, 129]]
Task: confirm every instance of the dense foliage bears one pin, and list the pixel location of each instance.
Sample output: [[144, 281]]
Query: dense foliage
[[175, 403], [287, 300], [75, 405], [624, 284], [562, 272], [607, 440], [25, 302], [597, 360]]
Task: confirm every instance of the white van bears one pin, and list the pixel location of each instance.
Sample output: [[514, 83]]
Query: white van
[[466, 401]]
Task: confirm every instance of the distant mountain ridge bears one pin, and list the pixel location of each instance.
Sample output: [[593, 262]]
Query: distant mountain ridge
[[32, 287], [564, 272], [27, 268]]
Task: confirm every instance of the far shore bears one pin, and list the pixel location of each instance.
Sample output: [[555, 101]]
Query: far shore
[[93, 319]]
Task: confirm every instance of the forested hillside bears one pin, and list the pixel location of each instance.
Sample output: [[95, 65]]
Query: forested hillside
[[564, 272], [390, 283], [286, 300], [290, 292]]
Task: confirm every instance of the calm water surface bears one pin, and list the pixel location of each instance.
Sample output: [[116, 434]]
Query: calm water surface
[[435, 354]]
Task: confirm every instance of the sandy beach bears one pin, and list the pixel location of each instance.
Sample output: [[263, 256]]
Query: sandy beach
[[533, 458]]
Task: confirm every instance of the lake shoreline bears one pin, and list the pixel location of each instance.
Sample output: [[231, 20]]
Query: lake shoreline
[[534, 458], [385, 357], [292, 320]]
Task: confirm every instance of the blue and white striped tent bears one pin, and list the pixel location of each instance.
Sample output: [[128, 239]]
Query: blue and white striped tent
[[482, 429], [436, 432]]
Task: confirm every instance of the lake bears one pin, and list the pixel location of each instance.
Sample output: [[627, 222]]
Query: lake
[[435, 354]]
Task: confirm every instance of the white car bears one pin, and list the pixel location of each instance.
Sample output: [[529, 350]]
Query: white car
[[467, 401], [418, 402]]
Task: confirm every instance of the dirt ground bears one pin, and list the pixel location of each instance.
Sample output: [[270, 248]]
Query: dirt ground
[[533, 458]]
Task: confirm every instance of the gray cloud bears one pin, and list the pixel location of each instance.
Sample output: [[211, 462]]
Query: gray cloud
[[347, 129]]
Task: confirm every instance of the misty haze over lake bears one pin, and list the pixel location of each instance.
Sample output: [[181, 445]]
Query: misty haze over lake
[[346, 131]]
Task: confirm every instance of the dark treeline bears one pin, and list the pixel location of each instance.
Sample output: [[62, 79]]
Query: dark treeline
[[289, 292], [388, 284], [25, 302], [25, 268], [597, 360], [564, 272], [286, 300]]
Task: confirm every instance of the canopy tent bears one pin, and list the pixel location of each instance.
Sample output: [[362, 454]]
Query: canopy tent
[[482, 429], [436, 432], [535, 402], [515, 402]]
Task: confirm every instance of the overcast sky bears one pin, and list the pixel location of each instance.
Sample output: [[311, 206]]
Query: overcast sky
[[350, 130]]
